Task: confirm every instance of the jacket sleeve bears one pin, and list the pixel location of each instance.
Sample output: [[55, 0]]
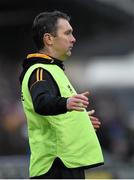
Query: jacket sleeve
[[45, 94]]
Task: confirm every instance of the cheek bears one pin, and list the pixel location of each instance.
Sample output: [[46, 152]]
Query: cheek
[[63, 43]]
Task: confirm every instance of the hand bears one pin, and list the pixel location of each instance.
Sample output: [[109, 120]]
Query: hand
[[95, 121], [78, 102]]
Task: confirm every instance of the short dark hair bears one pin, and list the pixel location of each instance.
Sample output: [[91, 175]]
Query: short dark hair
[[46, 22]]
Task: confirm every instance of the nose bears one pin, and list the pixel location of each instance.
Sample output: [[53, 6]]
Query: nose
[[73, 39]]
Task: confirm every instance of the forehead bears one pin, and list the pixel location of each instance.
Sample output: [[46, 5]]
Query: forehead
[[63, 24]]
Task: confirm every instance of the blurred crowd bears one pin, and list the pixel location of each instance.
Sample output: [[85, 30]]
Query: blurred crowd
[[13, 132], [115, 109]]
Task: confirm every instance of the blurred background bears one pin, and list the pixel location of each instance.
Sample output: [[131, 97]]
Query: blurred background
[[102, 62]]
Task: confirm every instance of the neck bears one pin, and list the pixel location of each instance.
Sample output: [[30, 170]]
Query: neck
[[52, 54]]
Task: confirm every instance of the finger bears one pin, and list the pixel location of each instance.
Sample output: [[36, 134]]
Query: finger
[[96, 122], [96, 127], [94, 119], [78, 108], [81, 96], [81, 105], [91, 112], [86, 93], [79, 101]]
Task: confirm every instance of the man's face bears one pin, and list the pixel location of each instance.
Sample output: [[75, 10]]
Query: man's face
[[64, 40]]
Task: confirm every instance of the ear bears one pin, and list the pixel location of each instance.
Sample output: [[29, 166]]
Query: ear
[[48, 39]]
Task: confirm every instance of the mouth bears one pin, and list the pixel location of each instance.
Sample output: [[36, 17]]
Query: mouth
[[70, 48]]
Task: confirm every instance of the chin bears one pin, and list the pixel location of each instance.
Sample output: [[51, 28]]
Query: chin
[[69, 54], [65, 56]]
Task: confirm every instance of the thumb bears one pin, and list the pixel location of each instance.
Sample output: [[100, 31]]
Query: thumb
[[91, 112]]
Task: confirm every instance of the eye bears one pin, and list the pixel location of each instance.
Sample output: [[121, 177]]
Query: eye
[[69, 32]]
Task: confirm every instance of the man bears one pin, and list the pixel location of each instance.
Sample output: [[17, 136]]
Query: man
[[62, 139]]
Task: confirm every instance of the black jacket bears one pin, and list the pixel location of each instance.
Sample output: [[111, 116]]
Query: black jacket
[[44, 91]]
